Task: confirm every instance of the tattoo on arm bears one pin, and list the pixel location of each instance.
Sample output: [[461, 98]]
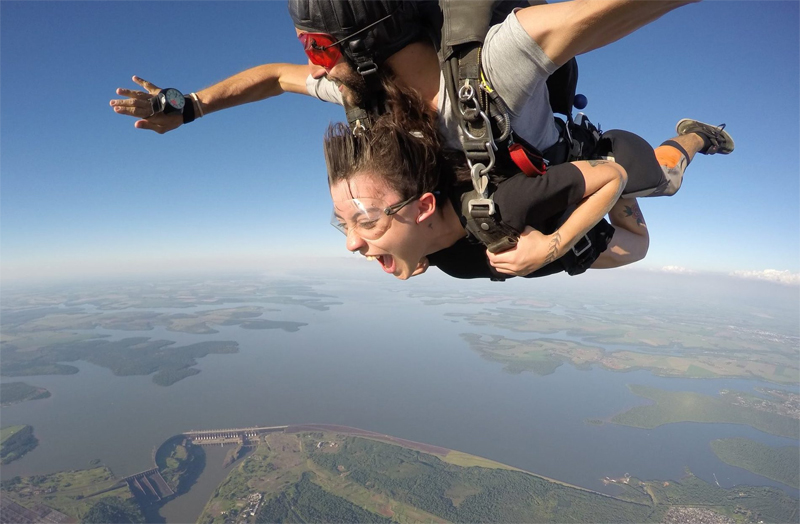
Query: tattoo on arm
[[555, 242], [594, 163], [636, 213]]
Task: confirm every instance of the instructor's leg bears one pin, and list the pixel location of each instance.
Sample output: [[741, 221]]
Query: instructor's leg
[[631, 239]]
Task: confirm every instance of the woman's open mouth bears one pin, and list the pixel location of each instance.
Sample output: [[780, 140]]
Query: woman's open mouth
[[386, 262]]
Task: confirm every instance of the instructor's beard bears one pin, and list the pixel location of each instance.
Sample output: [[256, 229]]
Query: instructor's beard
[[355, 91]]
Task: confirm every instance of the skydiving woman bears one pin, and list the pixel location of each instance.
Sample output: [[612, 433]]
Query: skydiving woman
[[397, 197]]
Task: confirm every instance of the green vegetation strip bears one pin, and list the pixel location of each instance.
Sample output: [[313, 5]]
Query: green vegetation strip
[[684, 406], [780, 464]]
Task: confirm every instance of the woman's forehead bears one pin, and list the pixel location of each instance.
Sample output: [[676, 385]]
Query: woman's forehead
[[361, 185]]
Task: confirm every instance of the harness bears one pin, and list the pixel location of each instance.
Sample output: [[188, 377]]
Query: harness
[[492, 150]]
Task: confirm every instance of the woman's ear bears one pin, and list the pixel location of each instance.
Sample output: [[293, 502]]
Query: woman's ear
[[426, 206]]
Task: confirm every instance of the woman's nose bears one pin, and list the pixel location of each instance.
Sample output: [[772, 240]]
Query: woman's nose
[[354, 242]]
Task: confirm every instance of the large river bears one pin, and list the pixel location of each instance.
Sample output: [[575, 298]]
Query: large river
[[385, 362]]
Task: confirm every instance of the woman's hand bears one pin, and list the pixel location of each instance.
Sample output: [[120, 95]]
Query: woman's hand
[[533, 250]]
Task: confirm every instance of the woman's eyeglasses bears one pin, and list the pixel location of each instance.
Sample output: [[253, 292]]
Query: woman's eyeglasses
[[369, 218]]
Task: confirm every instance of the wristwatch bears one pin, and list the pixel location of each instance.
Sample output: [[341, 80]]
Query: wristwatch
[[168, 100]]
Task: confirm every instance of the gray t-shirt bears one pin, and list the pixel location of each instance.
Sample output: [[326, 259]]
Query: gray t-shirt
[[517, 69]]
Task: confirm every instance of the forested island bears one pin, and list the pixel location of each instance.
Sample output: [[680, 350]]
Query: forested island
[[129, 356], [685, 406], [14, 392]]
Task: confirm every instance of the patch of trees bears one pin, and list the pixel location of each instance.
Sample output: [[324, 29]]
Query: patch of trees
[[307, 502], [116, 510], [423, 481], [17, 445], [779, 464]]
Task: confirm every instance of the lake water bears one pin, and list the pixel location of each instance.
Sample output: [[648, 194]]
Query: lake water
[[385, 362]]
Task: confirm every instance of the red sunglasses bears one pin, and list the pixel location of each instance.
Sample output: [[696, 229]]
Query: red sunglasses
[[323, 50]]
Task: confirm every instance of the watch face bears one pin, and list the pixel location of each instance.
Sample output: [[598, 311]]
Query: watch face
[[174, 98]]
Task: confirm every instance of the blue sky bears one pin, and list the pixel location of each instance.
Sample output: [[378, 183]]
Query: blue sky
[[82, 191]]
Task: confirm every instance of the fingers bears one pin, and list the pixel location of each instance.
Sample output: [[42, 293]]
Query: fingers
[[141, 95], [151, 88], [133, 107]]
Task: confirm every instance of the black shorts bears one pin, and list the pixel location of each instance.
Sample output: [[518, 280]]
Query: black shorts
[[637, 157]]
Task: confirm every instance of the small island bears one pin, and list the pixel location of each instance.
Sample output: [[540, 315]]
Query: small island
[[15, 392]]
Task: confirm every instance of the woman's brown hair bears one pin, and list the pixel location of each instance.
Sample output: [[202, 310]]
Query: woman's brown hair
[[403, 148]]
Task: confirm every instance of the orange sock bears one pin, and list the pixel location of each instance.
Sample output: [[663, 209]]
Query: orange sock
[[668, 156]]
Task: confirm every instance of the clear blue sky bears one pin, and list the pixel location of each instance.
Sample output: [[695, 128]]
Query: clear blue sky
[[83, 191]]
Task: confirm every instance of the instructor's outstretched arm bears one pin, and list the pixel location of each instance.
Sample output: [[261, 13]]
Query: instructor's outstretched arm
[[252, 85], [567, 29]]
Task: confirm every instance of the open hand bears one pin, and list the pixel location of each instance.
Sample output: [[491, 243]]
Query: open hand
[[533, 250], [138, 105]]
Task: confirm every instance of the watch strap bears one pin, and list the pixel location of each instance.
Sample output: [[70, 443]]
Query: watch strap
[[188, 109]]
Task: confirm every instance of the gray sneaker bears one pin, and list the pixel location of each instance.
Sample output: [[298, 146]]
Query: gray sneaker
[[717, 139]]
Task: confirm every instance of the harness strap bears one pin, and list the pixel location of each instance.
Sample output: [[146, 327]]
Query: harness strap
[[523, 161], [480, 221]]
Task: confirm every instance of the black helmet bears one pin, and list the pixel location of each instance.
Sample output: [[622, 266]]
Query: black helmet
[[343, 18]]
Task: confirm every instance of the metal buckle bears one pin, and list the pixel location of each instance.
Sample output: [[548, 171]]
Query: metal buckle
[[481, 202], [584, 248]]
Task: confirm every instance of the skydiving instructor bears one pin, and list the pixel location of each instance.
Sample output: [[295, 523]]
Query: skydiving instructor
[[520, 52]]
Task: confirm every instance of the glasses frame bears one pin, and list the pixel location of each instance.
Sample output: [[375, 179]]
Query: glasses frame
[[388, 211]]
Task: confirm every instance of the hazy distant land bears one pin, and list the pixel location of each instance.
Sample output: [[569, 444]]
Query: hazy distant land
[[42, 332], [172, 294], [675, 349], [129, 356]]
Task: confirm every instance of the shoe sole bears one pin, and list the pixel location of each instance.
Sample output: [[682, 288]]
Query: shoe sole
[[726, 142]]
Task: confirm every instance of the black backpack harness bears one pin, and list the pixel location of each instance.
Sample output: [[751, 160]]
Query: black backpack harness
[[492, 150]]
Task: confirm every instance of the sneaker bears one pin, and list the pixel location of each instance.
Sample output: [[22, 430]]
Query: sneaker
[[718, 141]]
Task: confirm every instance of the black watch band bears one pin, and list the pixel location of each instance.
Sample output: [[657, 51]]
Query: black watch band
[[188, 110]]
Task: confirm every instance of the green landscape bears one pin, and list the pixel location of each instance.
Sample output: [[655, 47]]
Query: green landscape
[[15, 392], [685, 406], [89, 495], [331, 477], [779, 464], [16, 441]]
